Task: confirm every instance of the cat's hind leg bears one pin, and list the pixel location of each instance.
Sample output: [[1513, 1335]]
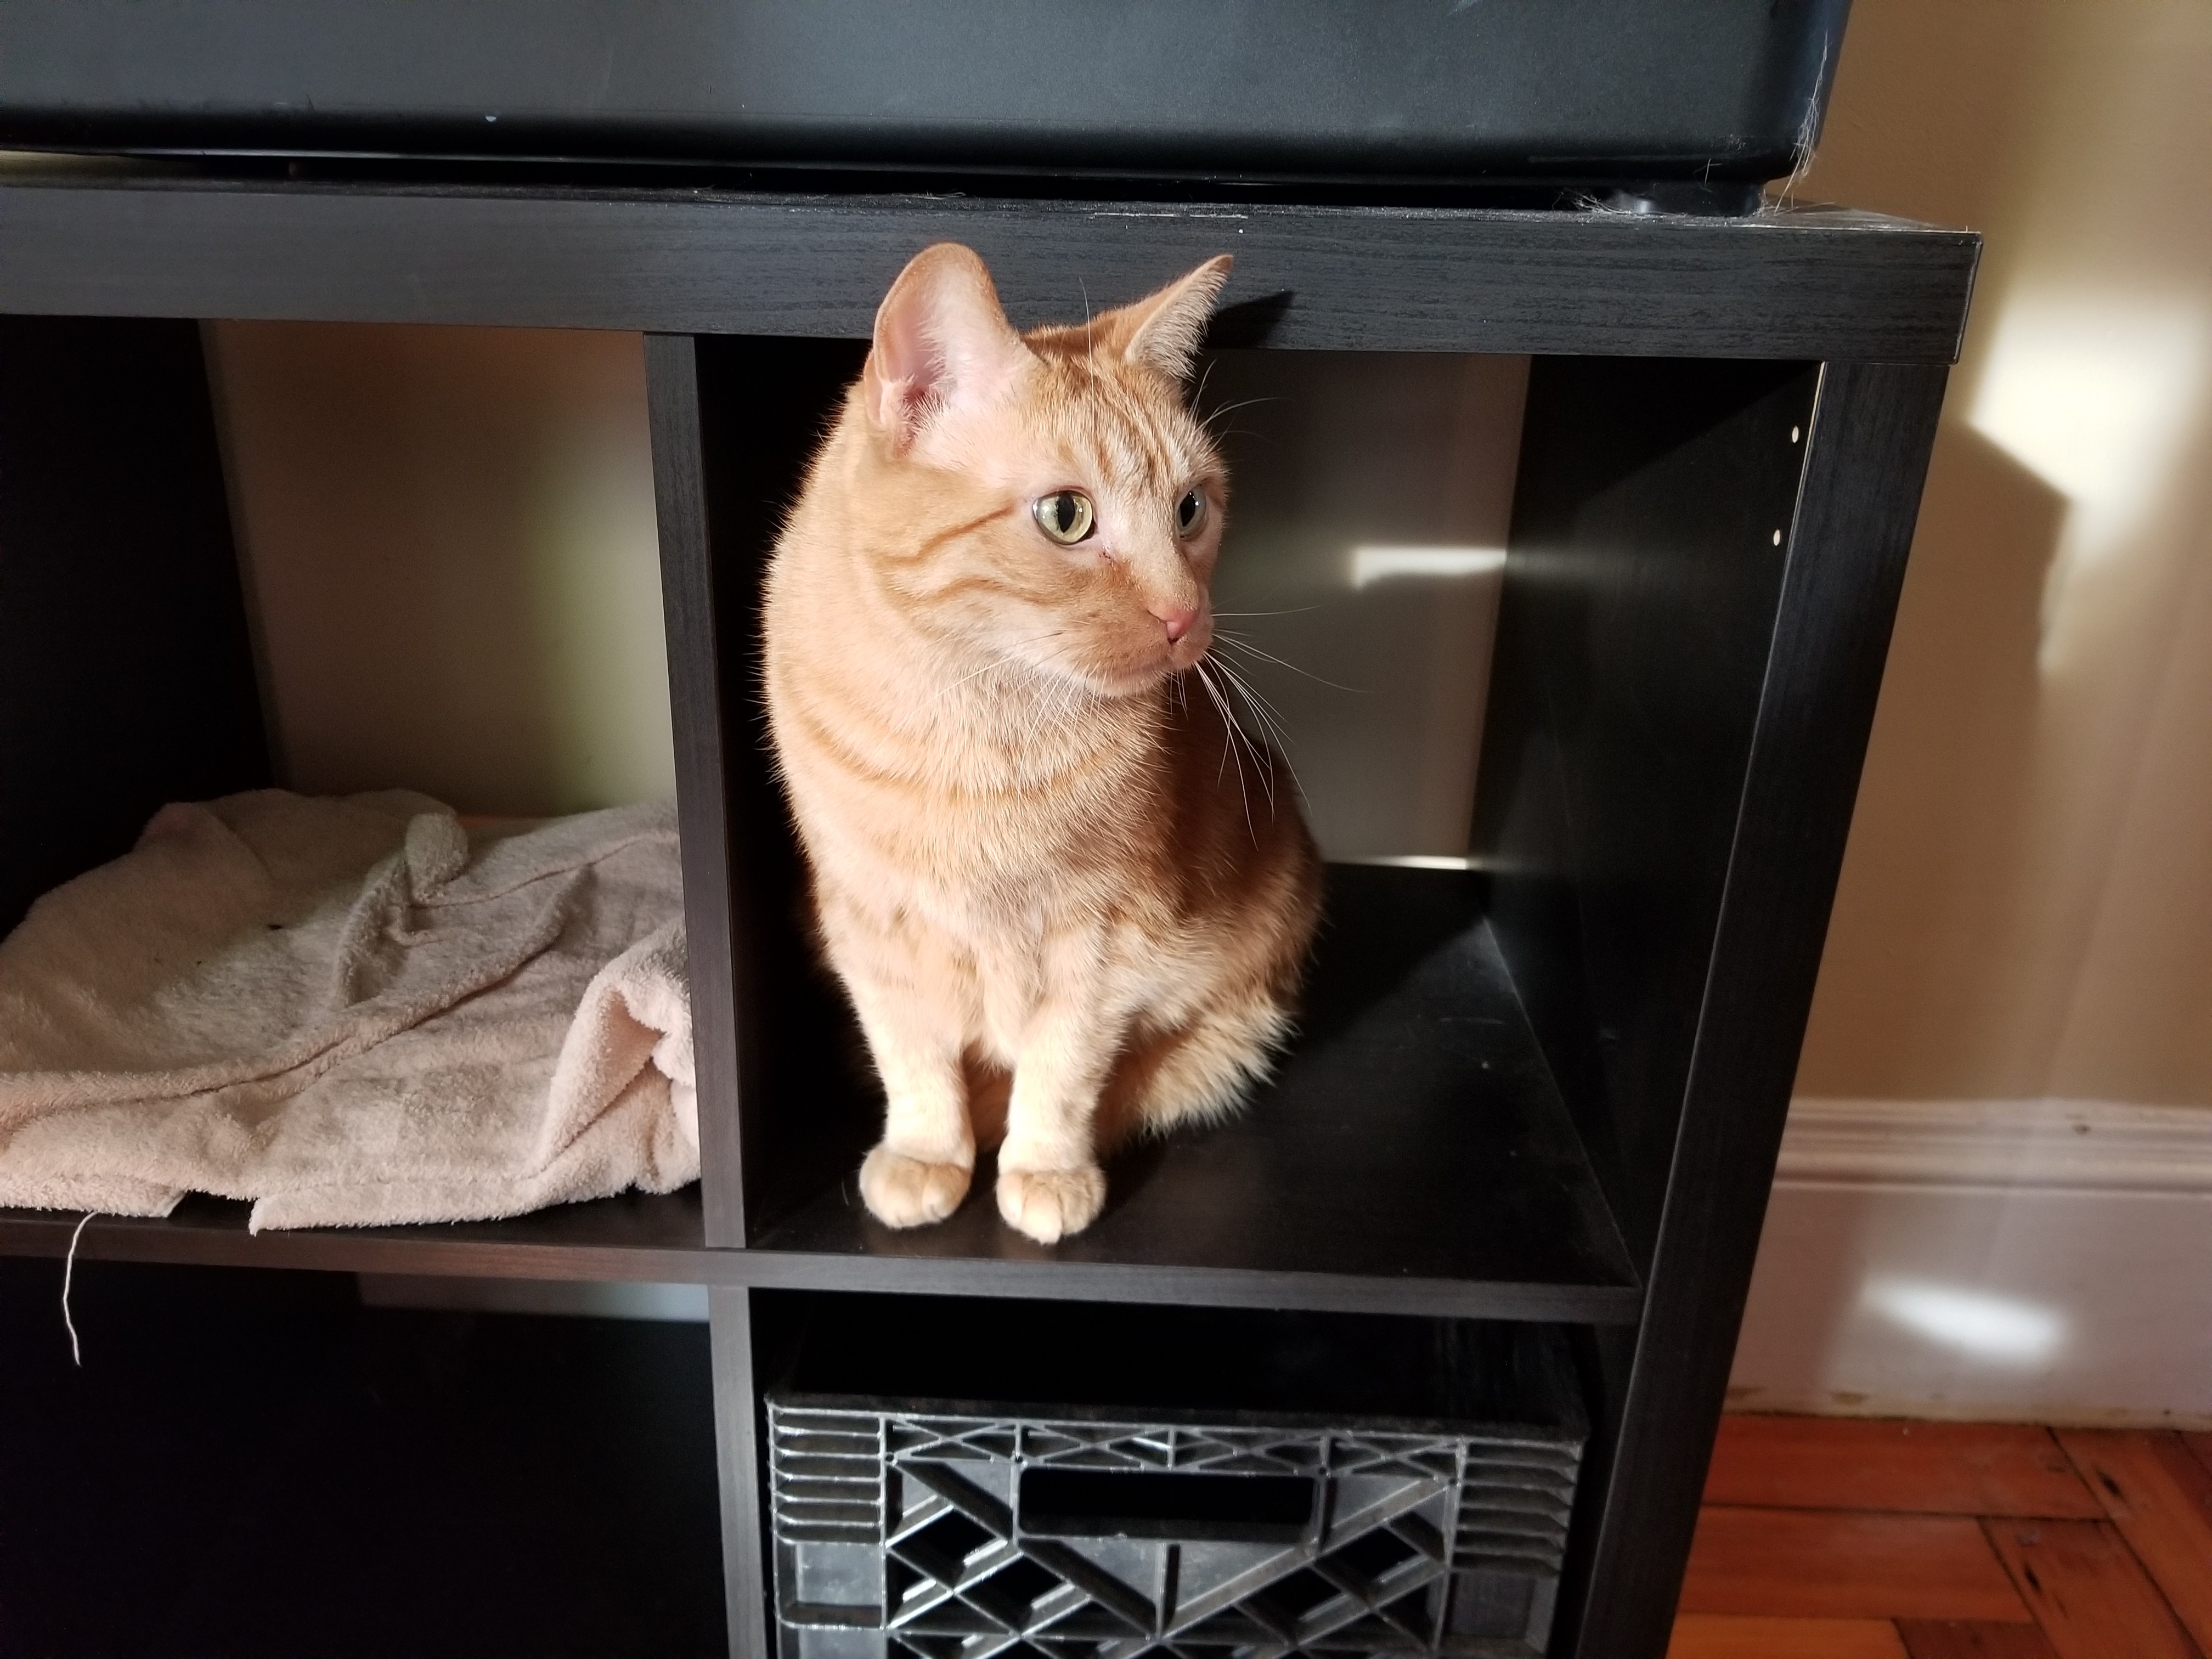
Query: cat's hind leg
[[1198, 1072]]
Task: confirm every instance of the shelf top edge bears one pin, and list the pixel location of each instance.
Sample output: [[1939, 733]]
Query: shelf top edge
[[25, 170], [1801, 283]]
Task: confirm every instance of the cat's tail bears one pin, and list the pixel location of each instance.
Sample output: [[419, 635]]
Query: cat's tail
[[1197, 1072]]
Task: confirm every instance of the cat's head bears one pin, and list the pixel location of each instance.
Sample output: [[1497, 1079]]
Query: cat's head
[[1066, 506]]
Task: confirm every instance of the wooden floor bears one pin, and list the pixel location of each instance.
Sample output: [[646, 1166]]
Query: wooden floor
[[1826, 1539]]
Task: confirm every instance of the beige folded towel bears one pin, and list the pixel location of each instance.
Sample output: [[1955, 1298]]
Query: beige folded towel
[[345, 1012]]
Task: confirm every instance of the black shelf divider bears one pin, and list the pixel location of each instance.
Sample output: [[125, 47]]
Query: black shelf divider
[[691, 610]]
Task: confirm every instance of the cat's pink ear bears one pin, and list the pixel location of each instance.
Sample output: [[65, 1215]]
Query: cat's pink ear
[[1165, 330], [941, 341]]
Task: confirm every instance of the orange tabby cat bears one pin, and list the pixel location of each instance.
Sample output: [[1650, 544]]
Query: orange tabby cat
[[1036, 847]]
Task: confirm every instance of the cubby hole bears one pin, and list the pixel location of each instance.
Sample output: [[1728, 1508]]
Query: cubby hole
[[332, 557], [1514, 615], [1092, 1471], [252, 1463]]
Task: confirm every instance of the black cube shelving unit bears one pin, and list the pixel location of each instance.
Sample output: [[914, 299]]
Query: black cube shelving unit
[[1547, 1088]]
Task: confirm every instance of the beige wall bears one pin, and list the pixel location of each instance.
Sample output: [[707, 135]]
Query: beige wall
[[449, 545], [2026, 904]]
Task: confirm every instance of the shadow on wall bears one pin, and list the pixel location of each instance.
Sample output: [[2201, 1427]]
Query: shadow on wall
[[2026, 909], [1910, 994]]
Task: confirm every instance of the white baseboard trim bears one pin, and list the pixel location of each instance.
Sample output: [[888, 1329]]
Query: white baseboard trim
[[2080, 1145], [2041, 1260]]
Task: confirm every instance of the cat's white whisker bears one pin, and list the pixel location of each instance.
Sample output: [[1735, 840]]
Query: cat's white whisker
[[1089, 332], [1226, 409], [1271, 724], [1228, 725], [1236, 734], [988, 668], [1253, 702], [1236, 643]]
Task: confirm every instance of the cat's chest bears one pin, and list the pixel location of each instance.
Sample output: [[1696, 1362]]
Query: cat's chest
[[976, 859], [993, 815], [982, 865]]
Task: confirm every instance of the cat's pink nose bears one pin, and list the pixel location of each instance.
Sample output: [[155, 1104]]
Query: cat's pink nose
[[1177, 620]]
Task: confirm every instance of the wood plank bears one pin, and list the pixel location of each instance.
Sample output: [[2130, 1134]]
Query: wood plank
[[1931, 1468], [2090, 1595], [1405, 1232], [1823, 1564], [1959, 1639], [1805, 284], [1724, 1636], [2201, 1443], [2161, 1498]]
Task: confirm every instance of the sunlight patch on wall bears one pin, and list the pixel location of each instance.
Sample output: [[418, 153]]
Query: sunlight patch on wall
[[1376, 564], [2097, 393], [1992, 1327]]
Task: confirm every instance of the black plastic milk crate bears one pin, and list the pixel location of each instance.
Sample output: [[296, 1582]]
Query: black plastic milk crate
[[1320, 1483]]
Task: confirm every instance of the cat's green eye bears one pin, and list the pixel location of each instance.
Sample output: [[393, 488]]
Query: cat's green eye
[[1190, 513], [1065, 516]]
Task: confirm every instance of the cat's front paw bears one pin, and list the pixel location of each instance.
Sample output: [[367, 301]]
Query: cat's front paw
[[1050, 1204], [907, 1192]]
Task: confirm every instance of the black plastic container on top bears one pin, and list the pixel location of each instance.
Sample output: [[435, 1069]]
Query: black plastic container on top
[[949, 1478], [1717, 93]]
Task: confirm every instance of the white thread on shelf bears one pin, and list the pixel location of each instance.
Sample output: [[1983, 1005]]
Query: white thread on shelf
[[69, 1273]]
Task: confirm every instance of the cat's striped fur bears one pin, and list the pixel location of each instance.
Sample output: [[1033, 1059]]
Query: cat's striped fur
[[1038, 846]]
